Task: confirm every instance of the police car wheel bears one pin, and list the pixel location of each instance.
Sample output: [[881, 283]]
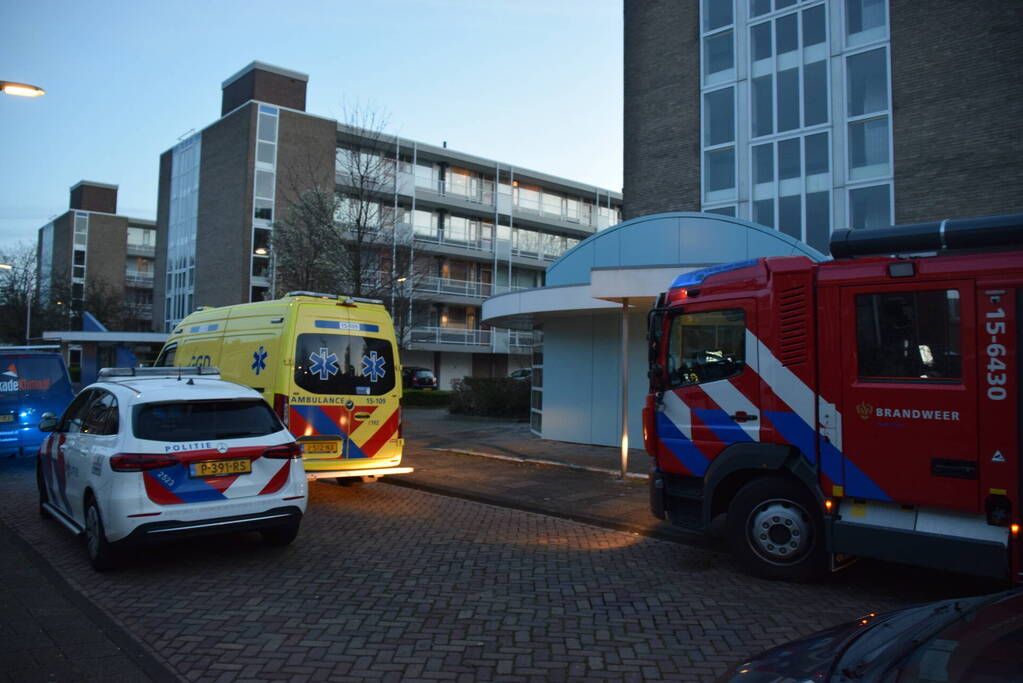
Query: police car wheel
[[776, 530], [101, 553], [279, 536]]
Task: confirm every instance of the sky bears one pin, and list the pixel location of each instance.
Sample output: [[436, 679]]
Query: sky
[[533, 83]]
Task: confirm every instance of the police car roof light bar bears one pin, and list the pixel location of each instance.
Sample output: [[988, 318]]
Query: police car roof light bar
[[110, 373], [986, 232]]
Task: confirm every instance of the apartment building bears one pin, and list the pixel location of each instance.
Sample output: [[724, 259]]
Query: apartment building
[[810, 115], [471, 227], [90, 251]]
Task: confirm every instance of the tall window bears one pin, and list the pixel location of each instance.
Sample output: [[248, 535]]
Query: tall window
[[264, 191], [798, 138], [181, 229]]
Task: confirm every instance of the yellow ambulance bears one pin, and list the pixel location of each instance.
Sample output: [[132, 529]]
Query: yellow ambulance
[[327, 364]]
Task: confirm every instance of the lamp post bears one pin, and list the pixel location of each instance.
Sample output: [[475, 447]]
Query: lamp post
[[21, 89], [28, 307]]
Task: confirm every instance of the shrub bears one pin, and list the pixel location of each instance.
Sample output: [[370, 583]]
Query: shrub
[[490, 396], [426, 399]]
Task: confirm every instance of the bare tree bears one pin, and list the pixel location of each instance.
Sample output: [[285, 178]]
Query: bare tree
[[17, 289], [341, 229]]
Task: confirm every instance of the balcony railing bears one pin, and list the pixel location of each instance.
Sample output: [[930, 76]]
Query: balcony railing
[[443, 285], [450, 335], [521, 339], [141, 249], [137, 279]]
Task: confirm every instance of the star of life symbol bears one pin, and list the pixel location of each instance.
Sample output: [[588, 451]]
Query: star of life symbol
[[259, 359], [324, 363], [373, 366]]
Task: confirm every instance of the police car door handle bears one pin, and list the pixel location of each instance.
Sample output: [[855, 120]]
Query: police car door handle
[[743, 416]]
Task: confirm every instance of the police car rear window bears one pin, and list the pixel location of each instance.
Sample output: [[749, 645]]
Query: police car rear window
[[344, 364], [198, 420]]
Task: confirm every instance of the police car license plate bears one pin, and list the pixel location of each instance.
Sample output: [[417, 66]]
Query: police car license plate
[[221, 468], [320, 447], [6, 418]]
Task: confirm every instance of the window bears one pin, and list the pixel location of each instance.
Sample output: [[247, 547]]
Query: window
[[869, 207], [344, 364], [719, 117], [867, 90], [708, 346], [202, 420], [864, 20], [909, 336], [101, 416]]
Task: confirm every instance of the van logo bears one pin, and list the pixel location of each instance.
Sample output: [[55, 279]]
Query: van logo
[[259, 359], [222, 448], [324, 363], [373, 366], [865, 410]]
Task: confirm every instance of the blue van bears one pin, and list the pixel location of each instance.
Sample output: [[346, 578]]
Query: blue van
[[31, 384]]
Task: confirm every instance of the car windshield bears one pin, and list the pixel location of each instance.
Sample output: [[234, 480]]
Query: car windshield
[[32, 375], [424, 374], [200, 420]]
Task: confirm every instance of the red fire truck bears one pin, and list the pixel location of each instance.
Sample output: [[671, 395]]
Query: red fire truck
[[867, 406]]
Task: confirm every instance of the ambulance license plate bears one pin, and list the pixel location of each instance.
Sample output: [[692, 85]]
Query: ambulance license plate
[[320, 447], [6, 418], [221, 468]]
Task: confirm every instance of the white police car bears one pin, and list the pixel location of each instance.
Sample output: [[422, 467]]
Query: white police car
[[147, 454]]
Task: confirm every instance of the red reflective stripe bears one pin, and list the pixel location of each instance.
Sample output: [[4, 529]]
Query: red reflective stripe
[[278, 481], [157, 492], [386, 431]]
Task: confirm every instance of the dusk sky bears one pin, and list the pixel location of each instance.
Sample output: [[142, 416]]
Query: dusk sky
[[531, 83]]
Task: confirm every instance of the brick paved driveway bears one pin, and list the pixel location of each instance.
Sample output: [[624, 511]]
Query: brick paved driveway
[[392, 583]]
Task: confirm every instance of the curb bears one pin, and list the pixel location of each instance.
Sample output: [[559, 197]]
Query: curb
[[541, 461], [670, 534]]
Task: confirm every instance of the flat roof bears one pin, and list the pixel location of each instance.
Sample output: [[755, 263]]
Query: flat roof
[[263, 66], [92, 183]]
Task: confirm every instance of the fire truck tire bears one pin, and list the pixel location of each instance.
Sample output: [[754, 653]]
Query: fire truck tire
[[776, 530]]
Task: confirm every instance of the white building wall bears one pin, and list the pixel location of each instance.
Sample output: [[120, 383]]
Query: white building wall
[[453, 366], [581, 378]]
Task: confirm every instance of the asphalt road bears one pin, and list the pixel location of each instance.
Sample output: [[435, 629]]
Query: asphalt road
[[392, 583]]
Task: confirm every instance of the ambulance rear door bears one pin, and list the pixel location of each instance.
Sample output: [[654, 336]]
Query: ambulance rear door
[[344, 385]]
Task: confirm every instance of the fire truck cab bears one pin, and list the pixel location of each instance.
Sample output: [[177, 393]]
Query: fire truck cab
[[866, 406]]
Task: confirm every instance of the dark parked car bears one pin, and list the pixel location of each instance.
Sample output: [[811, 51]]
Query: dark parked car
[[524, 374], [418, 378], [965, 639]]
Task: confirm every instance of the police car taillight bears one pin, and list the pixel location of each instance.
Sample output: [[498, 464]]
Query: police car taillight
[[281, 408], [139, 462], [285, 452]]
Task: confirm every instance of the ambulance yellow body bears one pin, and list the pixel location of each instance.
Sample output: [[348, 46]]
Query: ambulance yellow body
[[327, 364]]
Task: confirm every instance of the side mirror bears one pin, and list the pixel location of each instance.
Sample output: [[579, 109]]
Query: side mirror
[[48, 422]]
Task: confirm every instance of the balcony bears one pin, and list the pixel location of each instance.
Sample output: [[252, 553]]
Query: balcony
[[443, 285], [450, 337], [135, 278], [148, 250]]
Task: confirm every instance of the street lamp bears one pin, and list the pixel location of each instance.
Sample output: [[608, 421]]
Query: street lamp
[[28, 307], [21, 89]]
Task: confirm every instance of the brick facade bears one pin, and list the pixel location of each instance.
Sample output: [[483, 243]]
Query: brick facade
[[264, 86], [662, 107], [957, 95], [86, 196]]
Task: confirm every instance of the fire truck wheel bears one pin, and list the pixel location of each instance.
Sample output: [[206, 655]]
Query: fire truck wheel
[[776, 530]]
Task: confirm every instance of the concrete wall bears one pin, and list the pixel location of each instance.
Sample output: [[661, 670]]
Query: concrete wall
[[582, 378], [452, 366]]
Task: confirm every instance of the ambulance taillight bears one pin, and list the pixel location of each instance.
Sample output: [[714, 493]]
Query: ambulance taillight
[[281, 408]]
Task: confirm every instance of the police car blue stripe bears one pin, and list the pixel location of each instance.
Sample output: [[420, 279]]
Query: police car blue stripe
[[350, 327]]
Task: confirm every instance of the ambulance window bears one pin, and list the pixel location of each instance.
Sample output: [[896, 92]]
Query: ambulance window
[[910, 335], [706, 346], [344, 364], [166, 359]]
